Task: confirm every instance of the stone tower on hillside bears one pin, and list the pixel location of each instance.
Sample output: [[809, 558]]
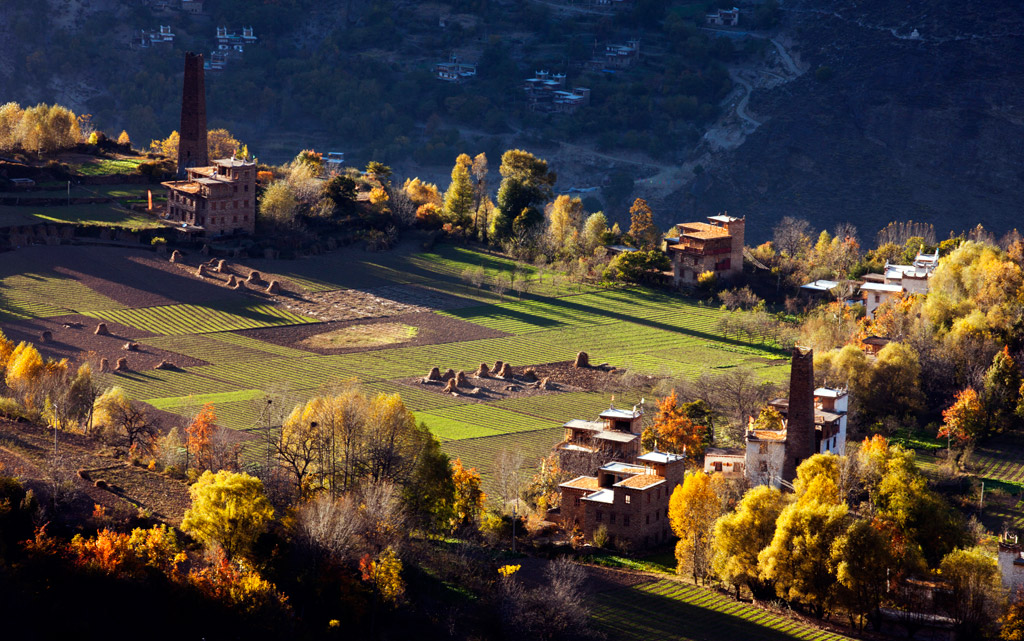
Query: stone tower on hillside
[[192, 150], [800, 437]]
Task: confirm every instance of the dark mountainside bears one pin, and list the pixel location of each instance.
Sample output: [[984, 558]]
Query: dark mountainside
[[928, 129]]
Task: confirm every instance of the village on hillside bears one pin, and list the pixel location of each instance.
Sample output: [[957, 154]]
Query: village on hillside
[[268, 392]]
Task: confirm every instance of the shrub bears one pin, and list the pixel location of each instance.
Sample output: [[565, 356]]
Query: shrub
[[601, 537]]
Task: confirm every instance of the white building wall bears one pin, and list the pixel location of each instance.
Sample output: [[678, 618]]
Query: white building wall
[[764, 461]]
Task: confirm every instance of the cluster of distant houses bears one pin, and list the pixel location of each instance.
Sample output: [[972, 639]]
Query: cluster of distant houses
[[228, 43], [874, 290]]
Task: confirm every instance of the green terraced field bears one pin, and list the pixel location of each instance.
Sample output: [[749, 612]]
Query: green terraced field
[[41, 295], [201, 319], [482, 452], [559, 408], [165, 383], [500, 420], [673, 611], [221, 347], [448, 429]]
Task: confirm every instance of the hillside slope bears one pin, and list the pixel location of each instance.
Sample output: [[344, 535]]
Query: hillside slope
[[925, 127]]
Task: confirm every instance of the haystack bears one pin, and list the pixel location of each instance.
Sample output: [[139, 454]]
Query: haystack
[[165, 365], [460, 379], [122, 365], [130, 347], [202, 271], [101, 330], [222, 266], [448, 375], [450, 387], [175, 256], [483, 371], [434, 375], [104, 365], [232, 282], [582, 360], [505, 371], [497, 367], [46, 336], [530, 374], [254, 277], [274, 287], [545, 383], [475, 391]]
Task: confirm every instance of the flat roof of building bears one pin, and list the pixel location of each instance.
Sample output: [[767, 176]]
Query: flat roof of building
[[187, 186], [616, 436], [820, 285], [660, 457], [641, 481], [613, 412], [581, 483], [724, 452], [881, 287], [618, 467], [767, 435], [233, 162], [601, 496], [580, 424], [828, 392], [721, 218]]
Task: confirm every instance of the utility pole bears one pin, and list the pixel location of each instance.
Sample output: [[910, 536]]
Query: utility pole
[[514, 519]]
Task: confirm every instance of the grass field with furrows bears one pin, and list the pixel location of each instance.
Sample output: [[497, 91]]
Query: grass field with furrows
[[675, 611], [158, 383], [482, 452], [559, 408], [449, 429], [201, 319], [42, 295], [221, 347], [291, 373], [198, 400], [416, 399], [494, 418]]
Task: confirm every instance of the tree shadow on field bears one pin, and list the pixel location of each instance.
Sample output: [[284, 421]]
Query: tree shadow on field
[[629, 614]]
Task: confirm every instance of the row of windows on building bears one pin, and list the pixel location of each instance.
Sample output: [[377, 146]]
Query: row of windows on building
[[599, 517], [235, 204]]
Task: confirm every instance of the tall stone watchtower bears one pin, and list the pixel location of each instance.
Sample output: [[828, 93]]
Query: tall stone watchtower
[[192, 150], [800, 436]]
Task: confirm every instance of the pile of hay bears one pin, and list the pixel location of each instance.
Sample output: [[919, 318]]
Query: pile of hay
[[274, 287], [483, 371], [122, 365], [101, 330], [434, 375], [460, 379], [582, 360], [130, 347], [104, 365], [505, 371], [46, 336], [175, 256]]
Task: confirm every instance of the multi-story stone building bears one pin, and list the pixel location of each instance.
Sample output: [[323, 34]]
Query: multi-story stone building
[[215, 200], [630, 500], [589, 444], [715, 246]]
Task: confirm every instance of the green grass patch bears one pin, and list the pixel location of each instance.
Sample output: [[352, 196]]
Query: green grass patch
[[47, 294], [221, 347], [448, 429], [93, 215], [198, 400], [482, 452], [109, 166], [499, 420], [200, 319]]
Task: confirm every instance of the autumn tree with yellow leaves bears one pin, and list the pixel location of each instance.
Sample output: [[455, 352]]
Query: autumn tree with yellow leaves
[[692, 511]]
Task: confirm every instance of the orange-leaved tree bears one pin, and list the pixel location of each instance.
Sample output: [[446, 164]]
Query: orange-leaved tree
[[199, 437], [469, 497], [675, 431], [963, 421]]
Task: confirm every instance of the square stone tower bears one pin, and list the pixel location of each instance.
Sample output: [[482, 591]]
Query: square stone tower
[[192, 147], [800, 416]]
